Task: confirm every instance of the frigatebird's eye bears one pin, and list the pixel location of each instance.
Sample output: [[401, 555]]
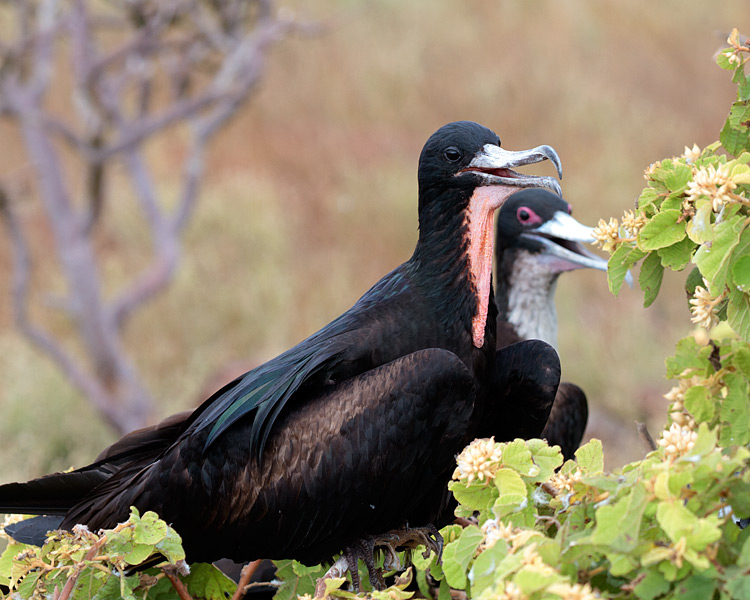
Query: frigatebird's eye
[[527, 216], [452, 154]]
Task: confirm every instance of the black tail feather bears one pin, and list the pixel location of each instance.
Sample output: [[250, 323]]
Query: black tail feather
[[33, 531], [50, 495]]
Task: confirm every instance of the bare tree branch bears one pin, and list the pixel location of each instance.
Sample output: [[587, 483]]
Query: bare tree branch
[[209, 55], [167, 247], [37, 335]]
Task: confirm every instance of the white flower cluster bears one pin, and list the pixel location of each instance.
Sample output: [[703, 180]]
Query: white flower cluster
[[712, 183], [703, 307], [677, 441], [479, 460], [495, 530], [562, 483]]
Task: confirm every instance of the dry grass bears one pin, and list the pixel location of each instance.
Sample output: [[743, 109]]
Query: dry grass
[[311, 195]]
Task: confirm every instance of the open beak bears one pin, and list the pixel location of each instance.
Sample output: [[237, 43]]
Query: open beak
[[493, 165], [562, 238]]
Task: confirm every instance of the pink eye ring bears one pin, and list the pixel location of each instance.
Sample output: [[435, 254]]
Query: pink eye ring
[[527, 216]]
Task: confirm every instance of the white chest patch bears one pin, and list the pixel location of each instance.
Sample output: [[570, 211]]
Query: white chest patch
[[531, 301]]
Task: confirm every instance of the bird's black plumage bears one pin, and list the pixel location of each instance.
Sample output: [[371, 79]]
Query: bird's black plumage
[[353, 431], [537, 240]]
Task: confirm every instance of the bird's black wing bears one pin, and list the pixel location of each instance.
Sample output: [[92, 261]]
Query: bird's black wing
[[337, 351], [567, 421], [360, 456], [526, 378]]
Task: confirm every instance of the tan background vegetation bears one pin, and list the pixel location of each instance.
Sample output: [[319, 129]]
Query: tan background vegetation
[[311, 196]]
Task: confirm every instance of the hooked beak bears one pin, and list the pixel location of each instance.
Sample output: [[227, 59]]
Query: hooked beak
[[493, 165], [562, 238]]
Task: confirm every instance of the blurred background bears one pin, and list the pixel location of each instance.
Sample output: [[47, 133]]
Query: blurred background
[[309, 197]]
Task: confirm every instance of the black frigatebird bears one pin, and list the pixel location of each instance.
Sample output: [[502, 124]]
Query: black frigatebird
[[351, 433], [538, 240]]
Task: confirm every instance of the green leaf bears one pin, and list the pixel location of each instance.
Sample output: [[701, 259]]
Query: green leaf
[[677, 256], [738, 587], [517, 456], [301, 570], [740, 359], [713, 258], [294, 585], [651, 586], [618, 525], [149, 529], [444, 593], [699, 228], [621, 564], [28, 585], [705, 443], [648, 199], [511, 487], [206, 581], [699, 403], [738, 313], [476, 496], [740, 172], [694, 279], [689, 355], [171, 547], [678, 522], [678, 178], [741, 273], [138, 553], [673, 201], [734, 135], [482, 573], [696, 587], [546, 457], [6, 560], [650, 278], [624, 257], [531, 580], [458, 554], [744, 558], [735, 411], [662, 230], [590, 457], [722, 59]]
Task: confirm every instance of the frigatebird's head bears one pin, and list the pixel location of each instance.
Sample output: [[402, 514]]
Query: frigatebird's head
[[539, 222], [464, 156], [464, 177], [537, 240]]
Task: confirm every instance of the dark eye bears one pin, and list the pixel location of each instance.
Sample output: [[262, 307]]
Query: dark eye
[[452, 154], [523, 215]]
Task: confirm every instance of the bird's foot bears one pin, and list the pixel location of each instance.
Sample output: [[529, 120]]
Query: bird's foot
[[409, 538], [391, 543]]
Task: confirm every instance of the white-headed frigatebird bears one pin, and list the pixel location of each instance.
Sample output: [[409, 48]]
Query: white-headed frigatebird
[[353, 432], [537, 240]]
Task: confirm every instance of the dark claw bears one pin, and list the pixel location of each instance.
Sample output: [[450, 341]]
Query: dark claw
[[391, 542]]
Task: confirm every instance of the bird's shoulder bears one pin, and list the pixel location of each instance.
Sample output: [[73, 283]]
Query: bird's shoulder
[[360, 339]]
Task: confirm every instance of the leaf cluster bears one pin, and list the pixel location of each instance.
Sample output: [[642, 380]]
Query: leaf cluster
[[83, 565], [661, 528], [695, 209]]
